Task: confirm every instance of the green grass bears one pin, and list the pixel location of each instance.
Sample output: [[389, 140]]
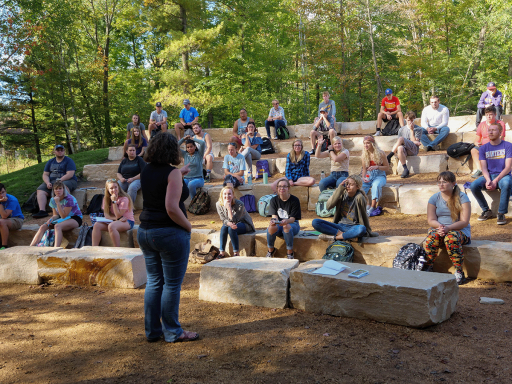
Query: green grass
[[25, 181]]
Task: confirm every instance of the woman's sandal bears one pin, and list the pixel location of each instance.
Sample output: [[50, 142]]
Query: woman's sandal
[[187, 336]]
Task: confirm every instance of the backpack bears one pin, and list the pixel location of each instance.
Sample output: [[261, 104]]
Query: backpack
[[411, 256], [460, 149], [204, 253], [84, 236], [31, 204], [392, 127], [339, 251], [325, 144], [48, 239], [95, 204], [267, 147], [261, 168], [264, 205], [320, 208], [282, 133], [200, 204], [249, 203]]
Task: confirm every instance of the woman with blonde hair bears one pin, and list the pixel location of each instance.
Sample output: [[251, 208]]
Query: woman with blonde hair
[[339, 162], [375, 166], [297, 167], [448, 214], [136, 139], [118, 207], [235, 220]]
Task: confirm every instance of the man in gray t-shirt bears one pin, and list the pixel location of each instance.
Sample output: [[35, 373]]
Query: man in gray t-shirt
[[157, 121], [408, 142]]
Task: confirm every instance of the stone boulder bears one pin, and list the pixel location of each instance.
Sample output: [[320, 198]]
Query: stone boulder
[[305, 246], [115, 153], [18, 265], [100, 172], [413, 198], [422, 164]]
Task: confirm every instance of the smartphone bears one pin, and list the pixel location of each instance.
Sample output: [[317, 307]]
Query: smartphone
[[359, 273]]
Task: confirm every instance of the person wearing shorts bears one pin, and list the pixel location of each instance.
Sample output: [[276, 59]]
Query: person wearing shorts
[[188, 117], [408, 143], [208, 156], [11, 218]]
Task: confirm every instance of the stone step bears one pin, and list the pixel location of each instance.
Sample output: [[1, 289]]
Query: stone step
[[410, 298], [422, 164]]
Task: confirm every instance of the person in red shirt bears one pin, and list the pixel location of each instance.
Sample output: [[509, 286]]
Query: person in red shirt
[[389, 110]]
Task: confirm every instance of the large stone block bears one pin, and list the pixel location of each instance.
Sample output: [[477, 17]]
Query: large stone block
[[221, 135], [100, 172], [422, 164], [413, 198], [115, 153], [358, 127], [493, 201], [305, 246], [452, 138], [102, 266], [455, 166], [18, 265], [410, 298], [256, 281]]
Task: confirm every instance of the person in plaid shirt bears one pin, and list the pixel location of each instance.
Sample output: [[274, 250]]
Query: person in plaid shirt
[[297, 167]]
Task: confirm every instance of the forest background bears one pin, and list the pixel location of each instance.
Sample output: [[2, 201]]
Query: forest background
[[74, 71]]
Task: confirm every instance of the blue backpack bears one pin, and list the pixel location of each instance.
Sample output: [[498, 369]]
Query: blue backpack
[[264, 205], [262, 167], [249, 203]]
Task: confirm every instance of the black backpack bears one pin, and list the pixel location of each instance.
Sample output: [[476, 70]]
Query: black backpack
[[95, 204], [267, 147], [460, 149], [339, 251], [31, 204], [411, 256], [392, 127], [325, 144], [282, 133]]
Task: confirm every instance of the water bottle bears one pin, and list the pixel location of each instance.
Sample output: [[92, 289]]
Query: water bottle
[[322, 175], [249, 178], [265, 177]]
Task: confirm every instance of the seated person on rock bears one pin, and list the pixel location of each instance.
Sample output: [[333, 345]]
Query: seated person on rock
[[324, 126], [193, 158], [128, 172], [496, 163], [66, 214], [157, 121], [234, 167], [491, 97], [482, 137], [136, 139], [408, 143], [434, 120], [188, 117], [118, 207], [389, 110], [285, 211], [339, 157], [60, 168], [136, 123], [208, 156], [330, 107], [235, 220], [275, 119], [240, 127], [448, 214], [350, 219], [11, 217], [251, 145], [297, 167], [375, 166]]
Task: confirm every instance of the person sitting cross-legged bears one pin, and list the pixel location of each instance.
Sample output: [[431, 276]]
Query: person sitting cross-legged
[[11, 217], [340, 158], [323, 126], [297, 167], [234, 167]]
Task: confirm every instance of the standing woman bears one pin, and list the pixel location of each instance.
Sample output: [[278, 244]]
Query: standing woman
[[339, 162], [251, 145], [65, 207], [375, 166], [448, 214], [136, 139], [128, 172], [118, 207], [164, 238], [235, 220], [193, 156], [297, 167]]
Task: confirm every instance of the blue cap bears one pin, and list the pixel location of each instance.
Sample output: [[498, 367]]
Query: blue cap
[[491, 85], [388, 91]]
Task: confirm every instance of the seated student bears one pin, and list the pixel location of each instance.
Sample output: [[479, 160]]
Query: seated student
[[137, 140], [65, 207], [297, 167], [193, 157], [448, 214], [60, 168], [234, 167], [491, 97], [350, 220], [118, 206], [482, 137], [324, 125], [375, 166], [408, 143], [11, 217], [339, 162], [285, 211], [188, 117], [390, 109], [157, 121], [235, 220], [240, 127], [208, 156], [496, 163], [434, 120], [128, 172], [251, 145], [275, 119], [136, 123]]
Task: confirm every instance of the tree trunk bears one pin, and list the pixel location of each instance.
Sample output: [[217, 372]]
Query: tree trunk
[[508, 105], [344, 103], [84, 96], [34, 128], [134, 51], [361, 109], [380, 91], [63, 64], [478, 54], [71, 149], [184, 54], [108, 131]]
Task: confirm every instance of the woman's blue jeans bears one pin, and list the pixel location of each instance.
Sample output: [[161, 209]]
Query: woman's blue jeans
[[377, 181], [333, 180], [332, 229], [166, 254], [288, 237], [193, 184], [233, 235]]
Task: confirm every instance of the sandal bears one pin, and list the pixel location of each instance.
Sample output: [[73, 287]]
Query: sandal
[[187, 336]]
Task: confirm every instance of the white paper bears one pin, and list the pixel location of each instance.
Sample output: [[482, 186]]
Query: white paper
[[331, 268], [103, 220]]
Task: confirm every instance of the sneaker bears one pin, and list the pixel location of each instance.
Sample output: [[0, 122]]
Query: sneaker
[[485, 215], [207, 178], [290, 256], [405, 173], [476, 174], [275, 138], [323, 236], [429, 148], [312, 152], [40, 214], [378, 133], [271, 254], [501, 219], [459, 276], [390, 156]]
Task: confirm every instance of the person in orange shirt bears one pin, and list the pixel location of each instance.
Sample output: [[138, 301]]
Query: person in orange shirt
[[389, 110]]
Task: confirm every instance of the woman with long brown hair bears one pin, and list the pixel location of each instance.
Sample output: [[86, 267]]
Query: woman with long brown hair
[[297, 167]]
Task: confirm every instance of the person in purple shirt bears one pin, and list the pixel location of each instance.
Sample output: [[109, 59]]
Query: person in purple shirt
[[490, 97], [496, 162]]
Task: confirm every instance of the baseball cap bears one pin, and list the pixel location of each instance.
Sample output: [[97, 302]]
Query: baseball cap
[[323, 109], [491, 85], [388, 91], [59, 146], [186, 101], [159, 104]]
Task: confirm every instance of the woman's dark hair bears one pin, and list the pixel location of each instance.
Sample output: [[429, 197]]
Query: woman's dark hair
[[2, 187], [129, 146], [163, 149], [189, 141]]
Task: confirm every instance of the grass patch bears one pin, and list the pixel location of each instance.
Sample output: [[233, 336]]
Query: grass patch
[[25, 181]]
